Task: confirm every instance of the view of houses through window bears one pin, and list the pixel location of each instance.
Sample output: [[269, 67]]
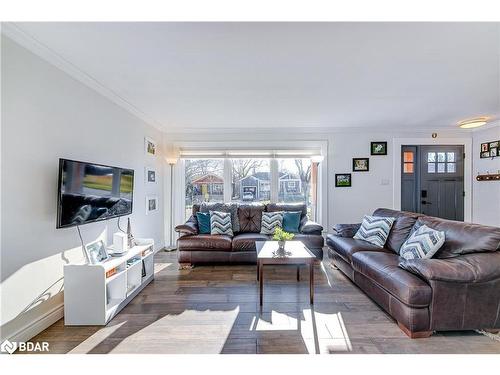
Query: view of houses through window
[[251, 181]]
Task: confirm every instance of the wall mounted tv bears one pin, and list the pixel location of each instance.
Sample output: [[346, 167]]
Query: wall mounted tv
[[90, 192]]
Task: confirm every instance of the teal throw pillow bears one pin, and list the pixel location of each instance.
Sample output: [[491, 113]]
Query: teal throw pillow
[[203, 222], [291, 221]]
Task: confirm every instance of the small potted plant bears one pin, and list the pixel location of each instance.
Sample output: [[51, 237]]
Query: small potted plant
[[281, 236]]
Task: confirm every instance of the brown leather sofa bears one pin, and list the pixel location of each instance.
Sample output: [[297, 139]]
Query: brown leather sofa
[[457, 289], [195, 248]]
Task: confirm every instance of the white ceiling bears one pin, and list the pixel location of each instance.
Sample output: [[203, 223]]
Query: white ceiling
[[263, 75]]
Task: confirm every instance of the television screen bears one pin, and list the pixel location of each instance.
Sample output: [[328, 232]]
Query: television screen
[[92, 192]]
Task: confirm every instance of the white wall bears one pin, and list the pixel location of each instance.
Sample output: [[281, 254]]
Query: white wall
[[369, 190], [486, 202], [46, 115]]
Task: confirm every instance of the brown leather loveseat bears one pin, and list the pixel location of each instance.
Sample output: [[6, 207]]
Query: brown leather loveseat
[[457, 289], [196, 248]]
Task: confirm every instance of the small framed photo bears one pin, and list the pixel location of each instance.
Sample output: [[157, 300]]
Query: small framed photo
[[485, 155], [378, 148], [149, 146], [342, 180], [151, 204], [485, 147], [360, 164], [495, 144], [96, 252], [150, 175], [493, 152]]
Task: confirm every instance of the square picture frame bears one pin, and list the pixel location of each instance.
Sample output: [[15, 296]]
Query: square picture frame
[[150, 176], [360, 164], [96, 252], [343, 180], [150, 147], [378, 148], [485, 147], [151, 204]]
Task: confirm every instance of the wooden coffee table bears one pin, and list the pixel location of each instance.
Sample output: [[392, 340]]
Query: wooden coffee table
[[296, 253]]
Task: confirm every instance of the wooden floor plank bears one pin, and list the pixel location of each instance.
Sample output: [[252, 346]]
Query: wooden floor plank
[[215, 309]]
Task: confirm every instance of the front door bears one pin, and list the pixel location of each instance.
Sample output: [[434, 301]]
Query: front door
[[438, 186]]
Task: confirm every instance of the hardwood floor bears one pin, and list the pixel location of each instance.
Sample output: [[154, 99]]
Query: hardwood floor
[[214, 309]]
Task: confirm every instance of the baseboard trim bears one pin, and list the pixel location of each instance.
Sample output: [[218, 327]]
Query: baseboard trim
[[35, 327]]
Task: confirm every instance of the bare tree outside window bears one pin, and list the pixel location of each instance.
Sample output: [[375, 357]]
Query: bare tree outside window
[[251, 180], [295, 181], [204, 182]]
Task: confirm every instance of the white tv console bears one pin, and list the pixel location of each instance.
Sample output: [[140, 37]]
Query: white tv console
[[95, 293]]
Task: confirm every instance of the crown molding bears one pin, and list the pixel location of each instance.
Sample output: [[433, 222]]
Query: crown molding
[[14, 32]]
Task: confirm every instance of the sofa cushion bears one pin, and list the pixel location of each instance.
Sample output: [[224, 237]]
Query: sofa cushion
[[271, 221], [291, 221], [220, 223], [273, 207], [383, 269], [375, 229], [401, 228], [422, 244], [311, 241], [346, 247], [203, 219], [232, 208], [246, 241], [462, 238], [203, 242], [250, 217]]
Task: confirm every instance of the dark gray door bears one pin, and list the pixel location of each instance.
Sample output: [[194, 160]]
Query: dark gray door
[[441, 190]]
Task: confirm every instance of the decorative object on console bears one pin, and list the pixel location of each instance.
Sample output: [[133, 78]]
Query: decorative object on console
[[149, 146], [378, 148], [271, 221], [343, 180], [490, 150], [130, 237], [151, 204], [120, 243], [96, 252], [488, 177], [150, 175], [422, 244], [360, 164], [375, 229], [220, 223]]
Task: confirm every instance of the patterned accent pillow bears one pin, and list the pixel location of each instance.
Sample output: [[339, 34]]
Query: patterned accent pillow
[[422, 244], [232, 208], [271, 221], [220, 223], [375, 229]]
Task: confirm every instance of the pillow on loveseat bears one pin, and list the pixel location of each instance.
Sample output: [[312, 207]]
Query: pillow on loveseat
[[220, 223], [422, 244], [375, 229], [271, 221]]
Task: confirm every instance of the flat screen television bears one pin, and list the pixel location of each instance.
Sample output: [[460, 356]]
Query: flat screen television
[[89, 192]]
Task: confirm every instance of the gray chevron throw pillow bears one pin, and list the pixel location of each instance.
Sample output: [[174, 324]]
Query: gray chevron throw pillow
[[422, 244], [375, 229], [220, 223], [271, 221]]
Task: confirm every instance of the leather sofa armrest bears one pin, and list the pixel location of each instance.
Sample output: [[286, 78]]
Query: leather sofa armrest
[[190, 227], [310, 227], [471, 268], [346, 230]]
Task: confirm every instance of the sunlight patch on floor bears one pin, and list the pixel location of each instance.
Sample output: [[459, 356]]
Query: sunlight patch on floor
[[161, 266], [98, 337]]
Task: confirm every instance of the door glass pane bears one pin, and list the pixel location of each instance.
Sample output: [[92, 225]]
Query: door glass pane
[[204, 182], [408, 156], [431, 168], [451, 167], [431, 157], [408, 168], [441, 157], [441, 167], [451, 157], [294, 181], [250, 180]]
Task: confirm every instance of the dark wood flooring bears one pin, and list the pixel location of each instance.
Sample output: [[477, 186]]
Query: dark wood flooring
[[214, 309]]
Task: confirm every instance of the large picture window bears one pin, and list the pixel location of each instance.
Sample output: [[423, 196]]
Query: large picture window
[[250, 180], [204, 182], [294, 181]]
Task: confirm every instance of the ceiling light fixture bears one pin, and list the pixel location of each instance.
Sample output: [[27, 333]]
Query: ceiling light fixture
[[473, 123]]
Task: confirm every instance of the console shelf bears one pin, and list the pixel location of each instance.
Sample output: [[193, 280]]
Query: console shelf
[[95, 293]]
